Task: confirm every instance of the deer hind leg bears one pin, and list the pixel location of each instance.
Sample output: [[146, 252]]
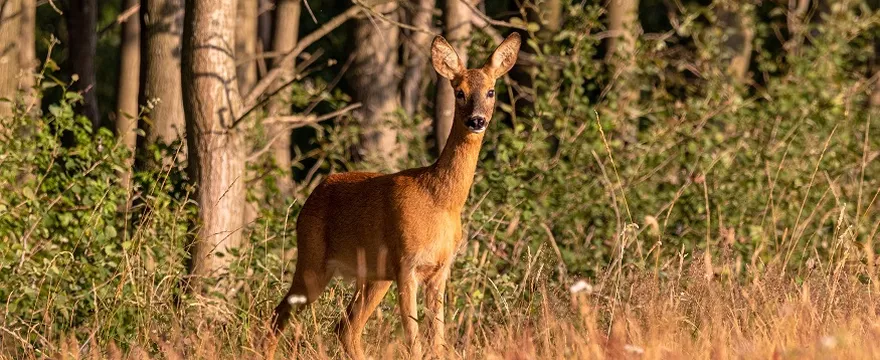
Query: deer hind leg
[[351, 327], [307, 286], [309, 279]]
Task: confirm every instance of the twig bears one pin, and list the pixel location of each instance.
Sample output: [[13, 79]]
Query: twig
[[490, 20], [394, 22], [302, 120], [123, 17], [524, 58], [297, 121], [298, 70], [260, 88]]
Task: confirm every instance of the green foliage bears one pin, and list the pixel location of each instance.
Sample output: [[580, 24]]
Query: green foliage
[[73, 254]]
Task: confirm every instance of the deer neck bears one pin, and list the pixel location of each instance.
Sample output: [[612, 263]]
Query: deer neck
[[451, 176]]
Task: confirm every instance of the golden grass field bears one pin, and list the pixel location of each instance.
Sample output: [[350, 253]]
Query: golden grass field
[[680, 309]]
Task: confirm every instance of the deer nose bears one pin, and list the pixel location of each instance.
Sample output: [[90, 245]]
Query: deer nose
[[476, 123]]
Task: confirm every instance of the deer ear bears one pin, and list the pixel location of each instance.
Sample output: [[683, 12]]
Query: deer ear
[[445, 59], [504, 57]]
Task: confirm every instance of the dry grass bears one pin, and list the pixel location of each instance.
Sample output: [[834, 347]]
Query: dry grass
[[684, 310]]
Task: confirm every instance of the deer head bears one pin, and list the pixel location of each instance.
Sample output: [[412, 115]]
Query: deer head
[[474, 88]]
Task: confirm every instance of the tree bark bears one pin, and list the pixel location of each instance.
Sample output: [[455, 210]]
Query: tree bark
[[27, 55], [211, 105], [129, 83], [418, 49], [737, 21], [10, 27], [287, 13], [457, 28], [162, 24], [373, 77], [81, 16], [623, 25], [246, 44]]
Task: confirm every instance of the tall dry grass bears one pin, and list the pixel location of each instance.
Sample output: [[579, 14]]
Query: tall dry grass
[[681, 309]]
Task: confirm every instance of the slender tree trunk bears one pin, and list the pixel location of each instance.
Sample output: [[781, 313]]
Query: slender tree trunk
[[287, 13], [162, 24], [457, 27], [211, 104], [82, 33], [548, 14], [265, 19], [10, 27], [373, 77], [623, 24], [418, 49], [246, 44], [127, 95], [27, 56], [875, 94], [737, 20], [796, 19]]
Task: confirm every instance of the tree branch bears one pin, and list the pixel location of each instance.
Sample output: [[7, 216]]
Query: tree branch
[[524, 58], [488, 20], [263, 85], [123, 17], [297, 121]]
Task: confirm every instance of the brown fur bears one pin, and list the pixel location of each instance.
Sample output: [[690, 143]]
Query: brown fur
[[402, 227]]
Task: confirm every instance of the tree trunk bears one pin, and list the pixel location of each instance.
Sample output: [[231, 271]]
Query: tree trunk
[[737, 21], [796, 22], [27, 56], [264, 22], [10, 28], [623, 25], [875, 94], [287, 14], [418, 49], [211, 104], [162, 24], [127, 95], [549, 15], [246, 44], [373, 77], [457, 28], [81, 16]]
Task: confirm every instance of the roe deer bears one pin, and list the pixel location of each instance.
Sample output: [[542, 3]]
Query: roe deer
[[403, 227]]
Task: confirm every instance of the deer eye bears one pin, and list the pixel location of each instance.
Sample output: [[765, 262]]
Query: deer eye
[[490, 94], [459, 94]]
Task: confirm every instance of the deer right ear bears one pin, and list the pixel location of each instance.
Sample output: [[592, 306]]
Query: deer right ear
[[445, 59]]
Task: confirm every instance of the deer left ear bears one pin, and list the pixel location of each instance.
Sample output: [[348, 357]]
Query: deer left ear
[[504, 57], [445, 59]]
